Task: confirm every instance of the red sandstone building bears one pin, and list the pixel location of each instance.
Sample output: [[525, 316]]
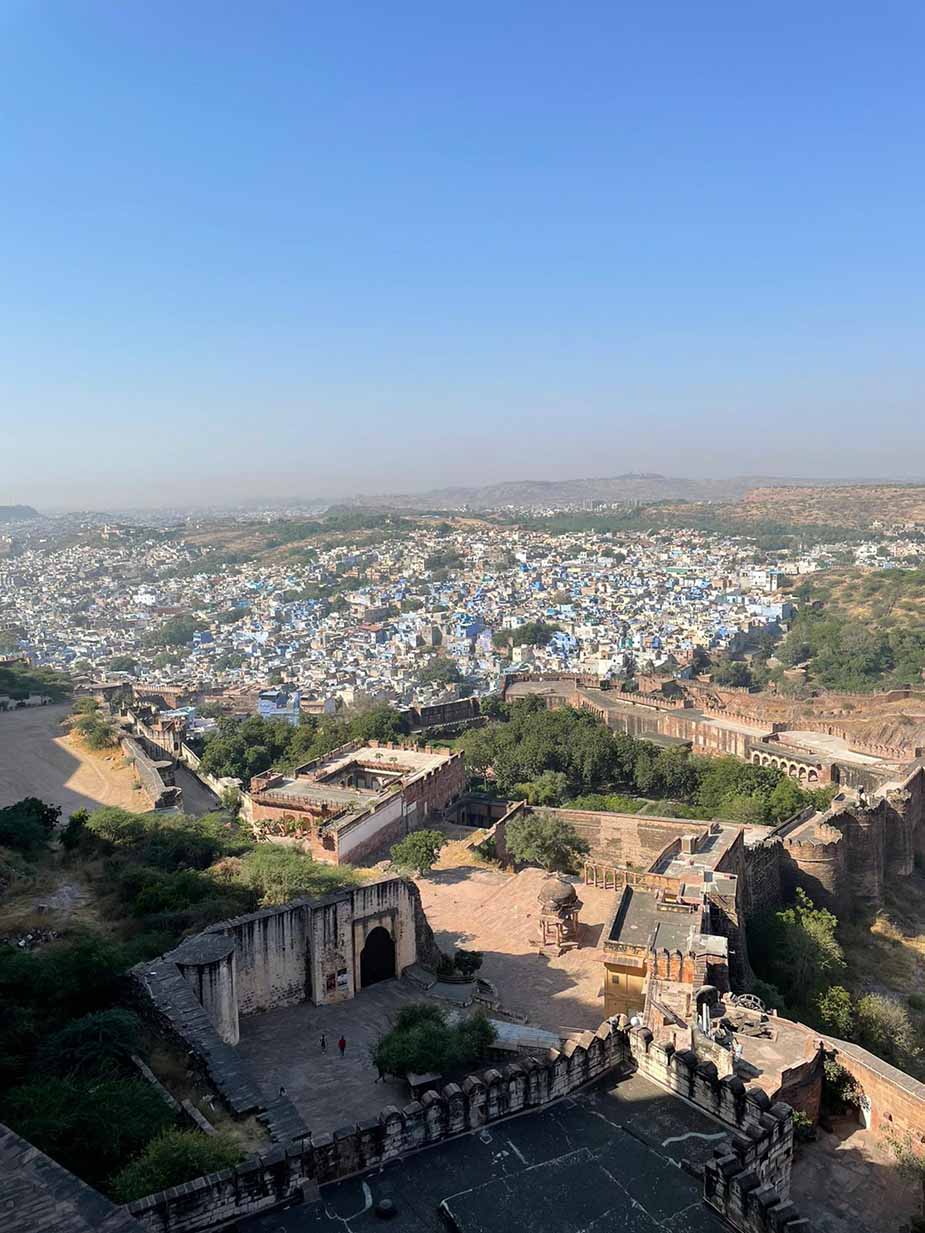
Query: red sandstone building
[[356, 802]]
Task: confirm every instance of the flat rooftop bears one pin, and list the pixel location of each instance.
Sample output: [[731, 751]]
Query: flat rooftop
[[409, 761], [641, 920], [834, 747], [607, 1160], [320, 793]]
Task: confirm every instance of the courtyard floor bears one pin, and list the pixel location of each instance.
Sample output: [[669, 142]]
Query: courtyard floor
[[605, 1160], [497, 913], [283, 1049]]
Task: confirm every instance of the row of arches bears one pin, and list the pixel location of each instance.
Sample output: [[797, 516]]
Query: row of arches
[[796, 770]]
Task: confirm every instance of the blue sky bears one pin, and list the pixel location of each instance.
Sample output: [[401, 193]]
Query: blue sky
[[288, 248]]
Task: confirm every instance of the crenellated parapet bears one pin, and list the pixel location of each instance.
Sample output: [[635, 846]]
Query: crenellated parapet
[[760, 1144]]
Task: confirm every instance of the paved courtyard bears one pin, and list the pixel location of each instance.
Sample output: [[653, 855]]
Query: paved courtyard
[[845, 1182], [497, 913], [605, 1161], [283, 1049]]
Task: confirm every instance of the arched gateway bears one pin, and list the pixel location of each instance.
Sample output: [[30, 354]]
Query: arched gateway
[[377, 958]]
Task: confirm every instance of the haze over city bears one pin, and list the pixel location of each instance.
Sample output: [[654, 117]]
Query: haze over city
[[277, 249]]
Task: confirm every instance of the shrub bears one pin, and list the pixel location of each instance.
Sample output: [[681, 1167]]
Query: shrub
[[836, 1011], [277, 875], [418, 851], [89, 1127], [839, 1086], [421, 1040], [467, 962], [93, 1044], [884, 1027], [174, 1157]]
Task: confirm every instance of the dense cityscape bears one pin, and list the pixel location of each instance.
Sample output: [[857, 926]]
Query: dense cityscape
[[437, 609]]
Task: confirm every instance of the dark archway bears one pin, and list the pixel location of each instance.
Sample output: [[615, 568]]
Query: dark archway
[[377, 958]]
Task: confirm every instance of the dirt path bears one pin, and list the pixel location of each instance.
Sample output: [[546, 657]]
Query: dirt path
[[38, 759]]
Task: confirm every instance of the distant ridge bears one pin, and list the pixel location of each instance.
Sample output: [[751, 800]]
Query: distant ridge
[[632, 486], [17, 513]]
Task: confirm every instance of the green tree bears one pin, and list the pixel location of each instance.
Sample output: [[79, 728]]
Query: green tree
[[90, 1127], [96, 731], [836, 1012], [28, 825], [439, 670], [123, 663], [418, 851], [544, 839], [85, 706], [174, 1157], [421, 1041], [733, 672], [277, 875], [94, 1044], [796, 949], [550, 788]]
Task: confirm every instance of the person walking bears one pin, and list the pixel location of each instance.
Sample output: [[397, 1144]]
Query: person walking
[[342, 1045], [324, 1043]]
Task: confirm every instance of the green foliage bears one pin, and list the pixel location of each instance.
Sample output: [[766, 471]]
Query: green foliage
[[422, 1041], [123, 663], [92, 1045], [28, 825], [529, 741], [177, 631], [544, 839], [89, 1126], [770, 996], [839, 1086], [85, 706], [549, 788], [803, 1129], [609, 802], [242, 748], [174, 1157], [439, 670], [18, 681], [418, 851], [532, 633], [733, 672], [795, 948], [835, 1009], [164, 841], [96, 731], [467, 962], [276, 875], [884, 1027], [845, 653]]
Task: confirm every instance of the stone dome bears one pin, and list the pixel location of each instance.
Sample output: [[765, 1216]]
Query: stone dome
[[556, 893]]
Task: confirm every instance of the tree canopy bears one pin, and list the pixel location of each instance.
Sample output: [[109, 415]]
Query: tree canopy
[[422, 1041], [530, 749], [544, 839], [418, 851]]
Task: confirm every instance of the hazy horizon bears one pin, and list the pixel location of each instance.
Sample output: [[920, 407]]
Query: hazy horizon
[[266, 250]]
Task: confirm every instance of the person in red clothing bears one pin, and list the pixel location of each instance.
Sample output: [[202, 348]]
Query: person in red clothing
[[342, 1045]]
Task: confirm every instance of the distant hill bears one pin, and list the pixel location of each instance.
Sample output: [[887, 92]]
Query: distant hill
[[629, 487], [17, 513]]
